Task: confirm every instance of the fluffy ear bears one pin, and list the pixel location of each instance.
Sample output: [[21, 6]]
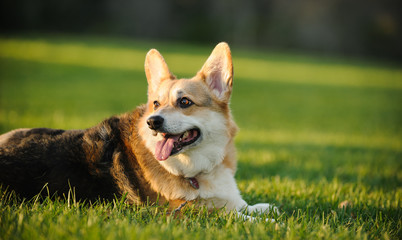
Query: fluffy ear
[[156, 70], [217, 71]]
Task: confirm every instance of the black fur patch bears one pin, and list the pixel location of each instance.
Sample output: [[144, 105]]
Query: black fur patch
[[75, 159]]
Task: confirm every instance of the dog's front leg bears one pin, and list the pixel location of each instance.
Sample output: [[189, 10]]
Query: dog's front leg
[[219, 189]]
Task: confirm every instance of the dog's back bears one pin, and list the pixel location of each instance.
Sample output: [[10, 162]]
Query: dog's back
[[33, 158]]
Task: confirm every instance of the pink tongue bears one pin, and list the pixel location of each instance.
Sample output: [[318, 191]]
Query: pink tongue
[[164, 147]]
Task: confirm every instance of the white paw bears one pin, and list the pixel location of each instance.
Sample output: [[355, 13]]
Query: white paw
[[261, 208], [252, 219]]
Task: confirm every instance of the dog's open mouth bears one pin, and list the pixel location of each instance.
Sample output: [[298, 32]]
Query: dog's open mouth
[[172, 144]]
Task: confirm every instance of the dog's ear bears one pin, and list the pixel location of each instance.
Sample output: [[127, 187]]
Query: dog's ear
[[156, 70], [217, 71]]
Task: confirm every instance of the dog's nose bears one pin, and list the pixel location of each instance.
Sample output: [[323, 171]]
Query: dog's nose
[[155, 122]]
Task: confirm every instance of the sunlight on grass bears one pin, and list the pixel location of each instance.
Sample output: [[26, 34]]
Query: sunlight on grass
[[55, 119], [331, 192], [321, 139], [322, 74], [256, 69], [73, 54]]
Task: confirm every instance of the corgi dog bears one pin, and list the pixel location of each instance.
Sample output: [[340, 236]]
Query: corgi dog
[[177, 148]]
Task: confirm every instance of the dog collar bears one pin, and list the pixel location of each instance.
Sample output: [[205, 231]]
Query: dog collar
[[193, 182]]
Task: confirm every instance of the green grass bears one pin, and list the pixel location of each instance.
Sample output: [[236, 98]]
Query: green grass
[[315, 132]]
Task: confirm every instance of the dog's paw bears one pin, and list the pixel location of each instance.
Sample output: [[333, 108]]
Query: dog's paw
[[245, 217], [260, 208], [263, 208], [271, 220]]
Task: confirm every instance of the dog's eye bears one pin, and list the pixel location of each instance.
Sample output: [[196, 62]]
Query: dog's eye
[[156, 105], [185, 102]]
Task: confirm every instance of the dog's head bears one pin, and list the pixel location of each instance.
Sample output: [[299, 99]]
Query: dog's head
[[187, 124]]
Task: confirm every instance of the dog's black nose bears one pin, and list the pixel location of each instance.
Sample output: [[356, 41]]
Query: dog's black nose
[[155, 122]]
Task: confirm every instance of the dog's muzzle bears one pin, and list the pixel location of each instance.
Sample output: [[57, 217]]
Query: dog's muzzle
[[170, 143]]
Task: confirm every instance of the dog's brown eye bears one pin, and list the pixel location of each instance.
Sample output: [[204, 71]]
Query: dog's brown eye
[[185, 102], [156, 105]]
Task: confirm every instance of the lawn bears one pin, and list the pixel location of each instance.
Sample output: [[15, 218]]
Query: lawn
[[315, 133]]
